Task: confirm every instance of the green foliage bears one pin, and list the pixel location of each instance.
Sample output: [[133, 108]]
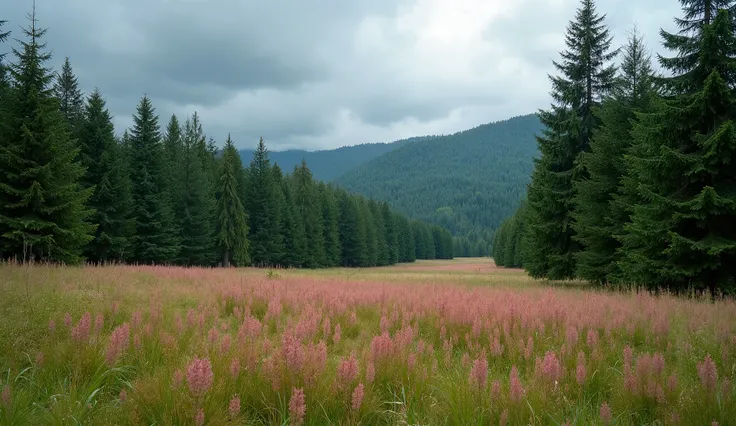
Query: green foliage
[[260, 207], [331, 227], [508, 245], [600, 211], [156, 239], [107, 175], [71, 101], [569, 124], [309, 208], [683, 233], [231, 220], [43, 212]]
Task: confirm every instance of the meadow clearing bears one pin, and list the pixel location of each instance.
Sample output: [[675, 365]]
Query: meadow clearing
[[434, 343]]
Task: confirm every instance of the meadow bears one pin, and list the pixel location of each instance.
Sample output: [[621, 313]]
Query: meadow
[[433, 343]]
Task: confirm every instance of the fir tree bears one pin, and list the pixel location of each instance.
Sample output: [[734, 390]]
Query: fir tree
[[173, 147], [195, 199], [156, 239], [278, 249], [71, 101], [598, 218], [585, 77], [352, 232], [392, 236], [382, 258], [107, 176], [308, 207], [42, 205], [330, 219], [295, 239], [261, 198], [231, 222], [3, 72], [683, 233], [369, 231]]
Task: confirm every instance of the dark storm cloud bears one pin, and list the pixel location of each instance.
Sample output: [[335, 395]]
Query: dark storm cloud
[[322, 73]]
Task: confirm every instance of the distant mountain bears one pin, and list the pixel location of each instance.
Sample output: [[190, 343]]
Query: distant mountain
[[327, 165], [468, 182]]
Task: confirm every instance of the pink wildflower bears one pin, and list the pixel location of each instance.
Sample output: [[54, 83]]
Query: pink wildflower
[[592, 338], [605, 413], [123, 395], [52, 326], [529, 348], [581, 373], [178, 378], [225, 344], [516, 390], [479, 372], [297, 406], [99, 323], [80, 332], [411, 361], [358, 394], [708, 374], [504, 417], [336, 337], [235, 367], [118, 343], [199, 376], [199, 417], [370, 372], [234, 407], [67, 320], [347, 370], [495, 389], [551, 368], [136, 318]]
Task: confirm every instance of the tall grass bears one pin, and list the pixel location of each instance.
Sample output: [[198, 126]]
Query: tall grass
[[156, 345]]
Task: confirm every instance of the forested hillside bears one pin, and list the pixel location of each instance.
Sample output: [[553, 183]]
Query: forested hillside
[[326, 165], [635, 183], [70, 191], [467, 182]]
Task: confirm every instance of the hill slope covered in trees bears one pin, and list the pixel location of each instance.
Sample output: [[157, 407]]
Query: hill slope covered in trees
[[467, 182], [329, 164]]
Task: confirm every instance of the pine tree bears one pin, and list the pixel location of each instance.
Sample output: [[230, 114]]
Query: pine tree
[[173, 147], [231, 222], [278, 249], [3, 72], [392, 236], [43, 213], [598, 218], [308, 207], [382, 258], [107, 176], [71, 101], [352, 232], [330, 219], [295, 239], [585, 77], [194, 201], [156, 240], [683, 234]]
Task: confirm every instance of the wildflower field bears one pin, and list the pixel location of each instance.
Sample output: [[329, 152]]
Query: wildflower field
[[433, 343]]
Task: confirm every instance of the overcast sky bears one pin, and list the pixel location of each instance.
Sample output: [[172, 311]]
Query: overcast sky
[[320, 74]]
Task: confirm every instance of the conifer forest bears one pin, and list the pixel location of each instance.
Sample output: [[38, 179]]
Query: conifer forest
[[571, 266]]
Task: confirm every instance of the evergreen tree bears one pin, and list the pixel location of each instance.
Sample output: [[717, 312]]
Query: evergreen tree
[[295, 239], [392, 236], [3, 72], [42, 205], [585, 77], [598, 218], [683, 234], [155, 239], [173, 147], [231, 223], [309, 208], [352, 232], [107, 176], [278, 249], [330, 217], [382, 258], [71, 101], [261, 196], [194, 200]]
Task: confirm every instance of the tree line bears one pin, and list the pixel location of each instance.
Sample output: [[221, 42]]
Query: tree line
[[71, 191], [635, 183]]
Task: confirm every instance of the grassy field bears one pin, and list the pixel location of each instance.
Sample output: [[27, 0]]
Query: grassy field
[[436, 342]]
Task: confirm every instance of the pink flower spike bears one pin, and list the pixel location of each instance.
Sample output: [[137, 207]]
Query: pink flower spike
[[297, 406], [358, 394], [605, 413], [234, 406], [199, 376]]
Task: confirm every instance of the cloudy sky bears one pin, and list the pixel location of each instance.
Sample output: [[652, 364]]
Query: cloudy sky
[[320, 74]]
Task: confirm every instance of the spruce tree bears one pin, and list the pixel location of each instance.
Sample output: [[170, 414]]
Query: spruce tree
[[71, 101], [43, 213], [330, 219], [352, 232], [683, 233], [295, 239], [392, 236], [156, 240], [194, 201], [107, 176], [3, 67], [382, 255], [584, 77], [308, 206], [599, 218], [231, 220], [261, 196], [173, 147], [278, 249]]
